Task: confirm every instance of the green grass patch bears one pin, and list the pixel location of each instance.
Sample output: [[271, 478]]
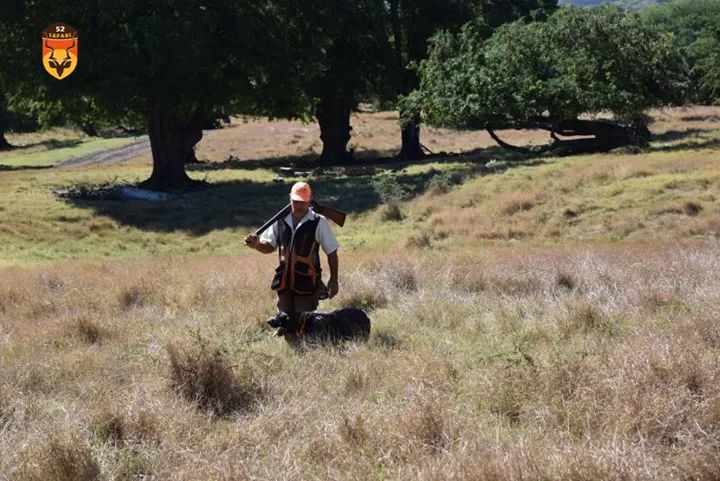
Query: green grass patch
[[47, 153], [445, 205]]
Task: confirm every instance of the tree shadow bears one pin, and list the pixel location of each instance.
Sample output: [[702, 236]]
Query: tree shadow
[[672, 135], [696, 145], [52, 144], [245, 203], [380, 159], [234, 204], [701, 118], [23, 167]]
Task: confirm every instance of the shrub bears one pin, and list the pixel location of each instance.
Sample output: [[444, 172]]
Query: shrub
[[389, 189], [89, 331], [426, 422], [397, 274], [565, 280], [366, 299], [391, 213], [61, 460], [386, 340], [109, 427], [585, 316], [202, 374], [353, 432], [692, 208], [442, 182], [419, 239]]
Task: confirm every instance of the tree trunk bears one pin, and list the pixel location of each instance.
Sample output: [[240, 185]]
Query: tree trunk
[[608, 135], [602, 136], [334, 120], [4, 144], [411, 148], [172, 139]]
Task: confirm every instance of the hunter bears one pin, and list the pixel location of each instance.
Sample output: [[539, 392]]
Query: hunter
[[297, 238]]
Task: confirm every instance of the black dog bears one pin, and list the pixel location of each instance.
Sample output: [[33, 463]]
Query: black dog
[[313, 327]]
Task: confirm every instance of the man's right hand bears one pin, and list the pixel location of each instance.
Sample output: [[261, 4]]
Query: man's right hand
[[252, 241]]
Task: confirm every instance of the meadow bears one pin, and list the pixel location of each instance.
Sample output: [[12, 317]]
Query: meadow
[[539, 318]]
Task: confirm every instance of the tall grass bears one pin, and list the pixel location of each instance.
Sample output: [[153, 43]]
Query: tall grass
[[550, 321], [527, 363]]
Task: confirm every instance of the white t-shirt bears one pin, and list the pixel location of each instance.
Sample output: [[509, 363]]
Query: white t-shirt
[[323, 235]]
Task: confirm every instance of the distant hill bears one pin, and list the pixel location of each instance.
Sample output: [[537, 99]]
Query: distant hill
[[627, 4]]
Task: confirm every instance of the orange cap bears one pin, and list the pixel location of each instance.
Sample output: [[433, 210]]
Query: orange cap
[[301, 191]]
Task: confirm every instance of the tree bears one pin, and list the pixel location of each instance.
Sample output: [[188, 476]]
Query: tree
[[332, 54], [162, 66], [692, 23], [17, 44], [706, 52], [413, 22], [545, 74]]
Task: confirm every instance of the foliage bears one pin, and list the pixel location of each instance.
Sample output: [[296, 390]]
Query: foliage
[[390, 190], [528, 73], [707, 66], [318, 48], [692, 22], [414, 23]]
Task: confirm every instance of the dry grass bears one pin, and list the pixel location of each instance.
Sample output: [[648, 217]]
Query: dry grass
[[514, 338], [542, 363], [202, 374]]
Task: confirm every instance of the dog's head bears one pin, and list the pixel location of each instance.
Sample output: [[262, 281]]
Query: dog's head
[[284, 322]]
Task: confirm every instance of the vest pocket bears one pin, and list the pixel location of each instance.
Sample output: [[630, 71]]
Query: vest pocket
[[278, 282], [305, 278]]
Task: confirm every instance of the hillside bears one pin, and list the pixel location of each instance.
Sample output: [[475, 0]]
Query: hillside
[[546, 318]]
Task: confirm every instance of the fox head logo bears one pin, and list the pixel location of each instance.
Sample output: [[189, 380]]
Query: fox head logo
[[60, 50]]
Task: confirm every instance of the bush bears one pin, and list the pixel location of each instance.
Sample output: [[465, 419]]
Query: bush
[[202, 374], [442, 182], [389, 189], [391, 212], [61, 460], [419, 239]]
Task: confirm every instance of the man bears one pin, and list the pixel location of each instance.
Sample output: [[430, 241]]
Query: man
[[297, 239]]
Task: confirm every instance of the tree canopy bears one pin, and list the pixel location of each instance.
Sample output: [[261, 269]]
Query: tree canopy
[[693, 23], [544, 74], [162, 66], [167, 66]]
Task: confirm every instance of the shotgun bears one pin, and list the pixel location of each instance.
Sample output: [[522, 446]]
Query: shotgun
[[334, 215]]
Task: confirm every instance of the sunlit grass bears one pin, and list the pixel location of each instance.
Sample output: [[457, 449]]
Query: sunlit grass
[[546, 320], [43, 155]]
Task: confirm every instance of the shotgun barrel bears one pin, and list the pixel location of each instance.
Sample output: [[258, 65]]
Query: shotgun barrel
[[334, 215]]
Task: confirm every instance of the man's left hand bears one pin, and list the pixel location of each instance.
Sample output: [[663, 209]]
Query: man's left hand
[[332, 286]]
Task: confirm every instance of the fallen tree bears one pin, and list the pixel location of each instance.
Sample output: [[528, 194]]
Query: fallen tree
[[597, 136]]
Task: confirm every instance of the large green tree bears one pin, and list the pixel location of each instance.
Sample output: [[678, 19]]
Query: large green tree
[[693, 23], [706, 53], [162, 66], [333, 54], [413, 22], [547, 74], [20, 55]]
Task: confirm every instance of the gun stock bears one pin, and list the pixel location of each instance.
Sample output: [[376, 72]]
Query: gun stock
[[331, 213]]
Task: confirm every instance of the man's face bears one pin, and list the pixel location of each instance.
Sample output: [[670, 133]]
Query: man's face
[[299, 208]]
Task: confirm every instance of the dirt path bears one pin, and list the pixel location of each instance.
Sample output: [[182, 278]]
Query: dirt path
[[110, 156]]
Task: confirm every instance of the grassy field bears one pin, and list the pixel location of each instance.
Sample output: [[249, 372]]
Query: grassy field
[[555, 318], [39, 150]]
